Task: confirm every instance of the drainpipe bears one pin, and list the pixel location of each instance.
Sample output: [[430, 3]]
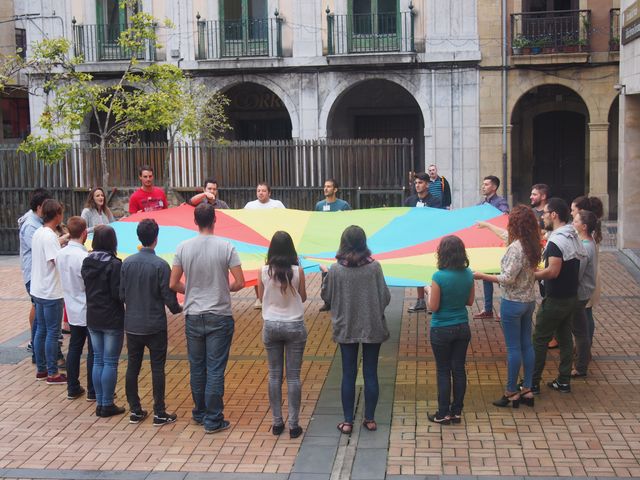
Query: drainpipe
[[505, 57]]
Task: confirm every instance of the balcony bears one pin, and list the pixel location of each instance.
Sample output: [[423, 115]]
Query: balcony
[[255, 37], [562, 31], [100, 43], [370, 33], [614, 30]]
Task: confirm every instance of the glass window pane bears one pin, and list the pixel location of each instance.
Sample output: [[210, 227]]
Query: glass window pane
[[387, 6], [232, 10], [257, 9], [361, 7]]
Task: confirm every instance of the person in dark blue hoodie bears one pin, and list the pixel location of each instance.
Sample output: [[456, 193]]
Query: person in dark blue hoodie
[[105, 316]]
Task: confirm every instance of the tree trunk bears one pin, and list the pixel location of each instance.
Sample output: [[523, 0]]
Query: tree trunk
[[167, 163], [103, 162]]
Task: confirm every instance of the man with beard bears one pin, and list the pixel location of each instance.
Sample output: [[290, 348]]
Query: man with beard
[[538, 198], [560, 278]]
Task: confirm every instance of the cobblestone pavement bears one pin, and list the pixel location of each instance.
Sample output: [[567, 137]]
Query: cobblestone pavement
[[594, 431]]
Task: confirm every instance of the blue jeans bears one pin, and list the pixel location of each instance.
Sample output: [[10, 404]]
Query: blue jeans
[[370, 352], [47, 331], [284, 343], [487, 287], [107, 345], [591, 324], [208, 343], [449, 345], [516, 319]]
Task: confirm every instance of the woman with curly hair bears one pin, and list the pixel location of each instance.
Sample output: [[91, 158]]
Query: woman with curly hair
[[518, 302], [95, 210], [450, 293]]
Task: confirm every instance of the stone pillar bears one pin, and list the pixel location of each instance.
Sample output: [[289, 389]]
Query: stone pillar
[[629, 172], [307, 28], [598, 158]]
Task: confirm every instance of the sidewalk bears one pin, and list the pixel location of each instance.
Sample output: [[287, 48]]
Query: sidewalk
[[595, 431]]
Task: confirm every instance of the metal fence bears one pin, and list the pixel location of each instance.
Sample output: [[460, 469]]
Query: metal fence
[[551, 31], [99, 43], [371, 173], [370, 33], [256, 37]]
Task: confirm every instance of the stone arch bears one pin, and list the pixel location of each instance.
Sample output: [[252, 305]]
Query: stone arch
[[345, 85], [550, 141], [225, 84]]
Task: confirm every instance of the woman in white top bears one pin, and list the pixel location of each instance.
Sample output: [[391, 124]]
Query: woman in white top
[[95, 211], [281, 288]]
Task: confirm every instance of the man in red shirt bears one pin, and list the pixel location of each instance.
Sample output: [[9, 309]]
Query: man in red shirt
[[148, 198]]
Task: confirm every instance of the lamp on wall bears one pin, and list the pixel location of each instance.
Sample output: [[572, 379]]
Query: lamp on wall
[[620, 88]]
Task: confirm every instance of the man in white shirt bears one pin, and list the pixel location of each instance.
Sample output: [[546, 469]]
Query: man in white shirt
[[264, 200], [46, 290], [263, 192], [69, 263], [206, 262]]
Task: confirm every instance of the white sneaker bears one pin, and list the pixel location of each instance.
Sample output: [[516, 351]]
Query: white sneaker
[[257, 305]]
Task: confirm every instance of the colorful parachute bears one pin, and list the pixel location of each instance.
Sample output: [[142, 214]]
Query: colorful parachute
[[403, 240]]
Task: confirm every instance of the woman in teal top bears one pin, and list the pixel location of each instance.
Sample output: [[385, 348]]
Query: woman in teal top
[[450, 292]]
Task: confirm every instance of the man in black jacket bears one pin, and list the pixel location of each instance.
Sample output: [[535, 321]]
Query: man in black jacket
[[144, 287]]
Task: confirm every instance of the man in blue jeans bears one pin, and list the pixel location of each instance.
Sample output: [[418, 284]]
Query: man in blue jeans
[[206, 261], [46, 290], [489, 187]]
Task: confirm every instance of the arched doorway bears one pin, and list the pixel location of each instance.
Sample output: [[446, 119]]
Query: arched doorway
[[378, 109], [256, 113], [612, 159], [549, 143]]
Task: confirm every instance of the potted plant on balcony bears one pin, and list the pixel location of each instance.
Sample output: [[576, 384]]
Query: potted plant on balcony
[[536, 46], [520, 44], [614, 44], [570, 44], [548, 44]]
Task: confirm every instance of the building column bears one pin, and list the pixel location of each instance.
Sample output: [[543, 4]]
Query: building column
[[629, 172], [598, 160]]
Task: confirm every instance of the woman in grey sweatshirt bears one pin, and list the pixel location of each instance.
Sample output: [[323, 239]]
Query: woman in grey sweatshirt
[[356, 290]]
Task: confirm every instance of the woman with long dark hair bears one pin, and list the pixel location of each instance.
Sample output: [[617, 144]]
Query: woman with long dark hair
[[587, 225], [356, 290], [450, 293], [518, 302], [594, 205], [96, 212], [105, 316], [281, 288]]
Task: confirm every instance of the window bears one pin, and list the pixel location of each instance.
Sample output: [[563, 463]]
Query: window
[[21, 42], [550, 5], [244, 27], [374, 17]]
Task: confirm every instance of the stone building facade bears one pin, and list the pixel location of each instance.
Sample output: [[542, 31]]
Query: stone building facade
[[306, 69], [559, 107]]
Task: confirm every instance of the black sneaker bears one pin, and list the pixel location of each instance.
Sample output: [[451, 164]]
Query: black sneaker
[[77, 394], [163, 419], [559, 387], [29, 347], [91, 397], [325, 308], [138, 416], [441, 420], [223, 426]]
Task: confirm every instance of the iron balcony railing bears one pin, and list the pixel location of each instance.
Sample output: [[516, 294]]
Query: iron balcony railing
[[100, 43], [256, 37], [370, 33], [614, 29], [551, 32]]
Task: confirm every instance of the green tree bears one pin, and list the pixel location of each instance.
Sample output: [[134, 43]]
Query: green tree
[[153, 97]]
